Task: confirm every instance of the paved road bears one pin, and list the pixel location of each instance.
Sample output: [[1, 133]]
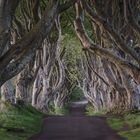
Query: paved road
[[76, 126]]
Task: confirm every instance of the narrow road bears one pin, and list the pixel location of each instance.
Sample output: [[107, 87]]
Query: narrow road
[[76, 126]]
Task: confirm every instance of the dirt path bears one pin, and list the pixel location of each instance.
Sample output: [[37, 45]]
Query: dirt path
[[77, 126]]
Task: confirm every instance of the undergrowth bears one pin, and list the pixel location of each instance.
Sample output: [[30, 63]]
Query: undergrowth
[[128, 126], [58, 110], [25, 118], [90, 111]]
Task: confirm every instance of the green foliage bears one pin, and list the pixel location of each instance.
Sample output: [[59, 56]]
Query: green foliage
[[67, 19], [61, 111], [57, 110], [27, 118], [90, 111], [72, 56], [128, 126], [77, 95]]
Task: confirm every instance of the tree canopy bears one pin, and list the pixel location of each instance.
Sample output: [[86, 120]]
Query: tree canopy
[[53, 46]]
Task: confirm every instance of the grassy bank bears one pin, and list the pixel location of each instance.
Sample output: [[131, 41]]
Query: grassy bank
[[19, 123], [127, 126]]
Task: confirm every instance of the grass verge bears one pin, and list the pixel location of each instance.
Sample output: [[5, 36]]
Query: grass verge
[[59, 111], [24, 118], [128, 126], [90, 111]]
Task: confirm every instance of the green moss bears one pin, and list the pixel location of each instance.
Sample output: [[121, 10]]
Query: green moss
[[27, 118]]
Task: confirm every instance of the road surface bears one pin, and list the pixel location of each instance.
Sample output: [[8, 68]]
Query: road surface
[[76, 126]]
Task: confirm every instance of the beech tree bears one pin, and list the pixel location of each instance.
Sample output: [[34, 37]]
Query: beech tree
[[24, 49], [114, 45], [32, 48]]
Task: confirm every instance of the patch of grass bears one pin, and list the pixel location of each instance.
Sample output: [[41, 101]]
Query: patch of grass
[[58, 111], [131, 135], [61, 111], [116, 123], [90, 111], [131, 121], [27, 118]]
